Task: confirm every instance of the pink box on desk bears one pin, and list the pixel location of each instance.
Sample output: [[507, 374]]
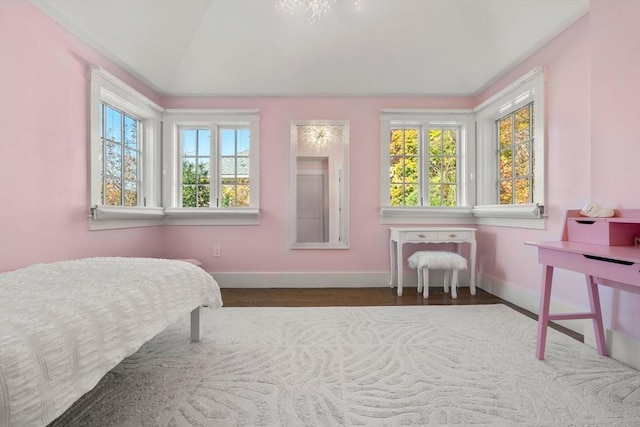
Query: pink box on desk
[[614, 231]]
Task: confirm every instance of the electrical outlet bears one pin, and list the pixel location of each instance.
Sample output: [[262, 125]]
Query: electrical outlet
[[216, 251]]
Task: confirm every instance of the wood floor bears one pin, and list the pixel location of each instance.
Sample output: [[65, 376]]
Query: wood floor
[[331, 297]]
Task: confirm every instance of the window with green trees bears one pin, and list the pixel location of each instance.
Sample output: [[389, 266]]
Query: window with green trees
[[196, 167], [218, 180]]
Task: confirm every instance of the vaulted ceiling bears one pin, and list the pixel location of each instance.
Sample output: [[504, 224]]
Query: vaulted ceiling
[[250, 47]]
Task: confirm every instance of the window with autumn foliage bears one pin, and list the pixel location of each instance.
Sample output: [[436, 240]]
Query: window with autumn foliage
[[120, 157], [125, 148], [484, 165], [426, 154], [516, 156], [424, 166], [511, 164]]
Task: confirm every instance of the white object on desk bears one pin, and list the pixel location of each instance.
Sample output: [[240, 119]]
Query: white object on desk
[[402, 235]]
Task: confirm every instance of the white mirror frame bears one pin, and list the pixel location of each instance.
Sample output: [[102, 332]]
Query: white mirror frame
[[342, 198]]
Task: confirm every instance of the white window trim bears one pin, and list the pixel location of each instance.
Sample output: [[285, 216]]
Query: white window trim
[[524, 90], [466, 173], [481, 147], [210, 118], [107, 88]]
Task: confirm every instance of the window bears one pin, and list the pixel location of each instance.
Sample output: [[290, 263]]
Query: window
[[211, 159], [229, 185], [404, 167], [443, 166], [427, 180], [121, 157], [516, 157], [234, 167], [125, 155], [201, 168], [510, 141], [429, 159], [196, 167]]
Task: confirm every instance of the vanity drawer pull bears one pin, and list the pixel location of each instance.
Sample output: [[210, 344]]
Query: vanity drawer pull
[[422, 236], [453, 235]]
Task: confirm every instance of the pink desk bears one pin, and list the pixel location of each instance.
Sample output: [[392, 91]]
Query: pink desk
[[616, 266]]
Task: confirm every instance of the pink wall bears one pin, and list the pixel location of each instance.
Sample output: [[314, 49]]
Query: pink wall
[[615, 135], [592, 88], [592, 92], [615, 103], [265, 248], [43, 146]]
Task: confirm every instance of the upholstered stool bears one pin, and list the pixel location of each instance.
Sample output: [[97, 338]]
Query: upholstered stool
[[451, 262]]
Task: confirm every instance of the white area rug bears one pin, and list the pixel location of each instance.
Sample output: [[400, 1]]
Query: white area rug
[[362, 366]]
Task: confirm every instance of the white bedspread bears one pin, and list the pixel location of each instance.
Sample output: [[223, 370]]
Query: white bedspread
[[64, 325]]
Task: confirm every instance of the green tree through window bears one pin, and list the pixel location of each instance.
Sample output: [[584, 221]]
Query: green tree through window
[[227, 183]]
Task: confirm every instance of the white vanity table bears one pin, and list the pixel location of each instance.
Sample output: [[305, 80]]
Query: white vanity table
[[402, 235]]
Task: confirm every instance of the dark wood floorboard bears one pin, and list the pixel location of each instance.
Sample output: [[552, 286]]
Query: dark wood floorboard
[[382, 296]]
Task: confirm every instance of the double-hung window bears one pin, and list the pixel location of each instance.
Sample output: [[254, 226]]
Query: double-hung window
[[516, 157], [226, 181], [483, 166], [211, 164], [511, 133], [120, 157], [151, 166], [429, 159], [125, 155]]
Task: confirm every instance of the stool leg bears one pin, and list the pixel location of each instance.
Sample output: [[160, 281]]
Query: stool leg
[[419, 271], [425, 281], [447, 274], [454, 284]]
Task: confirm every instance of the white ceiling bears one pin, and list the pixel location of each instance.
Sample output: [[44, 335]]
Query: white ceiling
[[249, 47]]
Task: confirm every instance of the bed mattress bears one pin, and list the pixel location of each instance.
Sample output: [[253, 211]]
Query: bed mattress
[[64, 325]]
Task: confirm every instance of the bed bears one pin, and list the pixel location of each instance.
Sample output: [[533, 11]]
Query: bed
[[64, 325]]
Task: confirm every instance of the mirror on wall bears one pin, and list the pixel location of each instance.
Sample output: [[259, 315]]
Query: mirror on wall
[[319, 199]]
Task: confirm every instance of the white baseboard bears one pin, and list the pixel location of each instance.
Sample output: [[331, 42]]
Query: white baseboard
[[325, 279], [621, 347], [303, 280]]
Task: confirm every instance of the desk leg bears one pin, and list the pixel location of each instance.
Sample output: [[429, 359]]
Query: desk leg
[[594, 300], [400, 266], [393, 262], [543, 316]]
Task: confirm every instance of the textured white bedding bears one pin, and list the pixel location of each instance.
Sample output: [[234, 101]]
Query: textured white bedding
[[64, 325]]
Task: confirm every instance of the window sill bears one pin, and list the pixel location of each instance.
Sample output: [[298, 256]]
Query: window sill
[[125, 212], [520, 216], [113, 217], [212, 216], [426, 215], [531, 210]]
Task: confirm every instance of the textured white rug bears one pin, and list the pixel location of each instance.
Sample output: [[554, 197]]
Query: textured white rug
[[362, 366]]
